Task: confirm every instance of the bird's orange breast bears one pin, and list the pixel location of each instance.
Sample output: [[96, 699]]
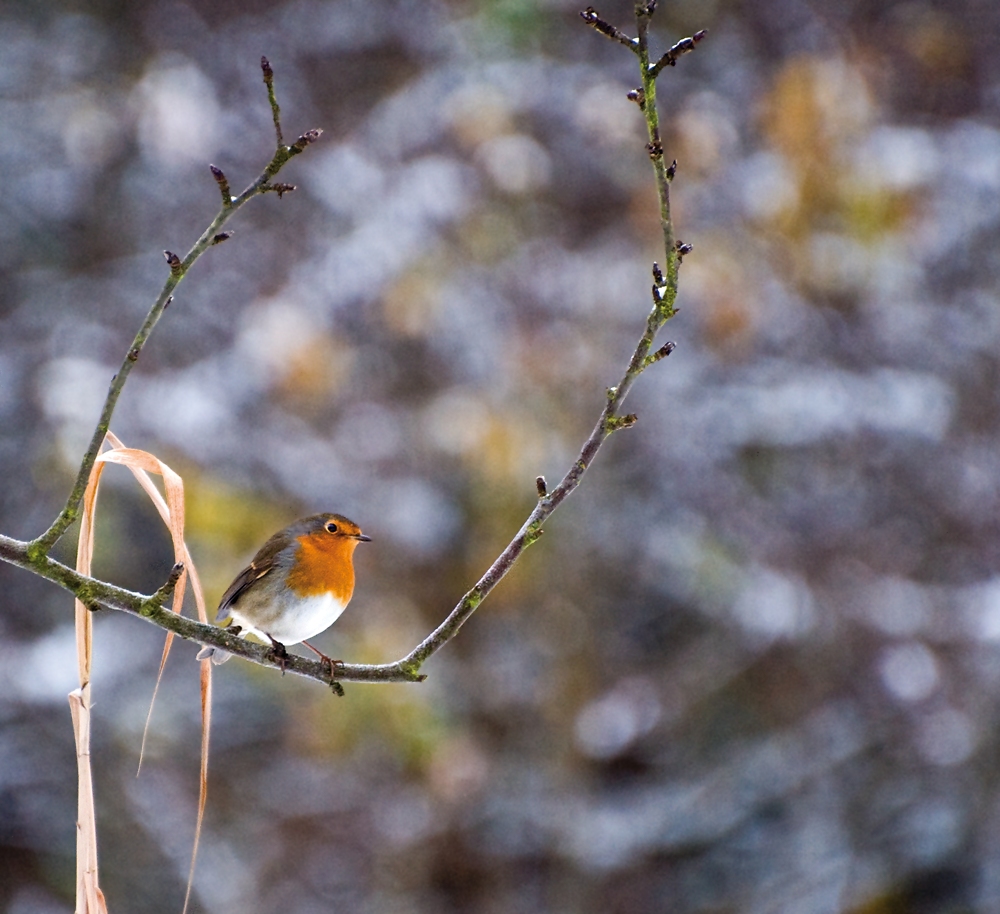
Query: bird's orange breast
[[323, 564]]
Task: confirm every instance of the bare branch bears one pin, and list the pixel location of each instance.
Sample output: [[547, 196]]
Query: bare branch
[[98, 594], [592, 18], [178, 270], [663, 308], [664, 296]]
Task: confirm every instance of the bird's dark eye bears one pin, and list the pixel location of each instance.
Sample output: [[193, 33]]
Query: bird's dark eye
[[331, 527]]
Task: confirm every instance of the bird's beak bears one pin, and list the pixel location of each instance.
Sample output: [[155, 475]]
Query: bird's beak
[[361, 538]]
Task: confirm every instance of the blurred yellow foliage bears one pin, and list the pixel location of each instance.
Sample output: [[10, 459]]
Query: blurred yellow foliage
[[813, 113], [816, 117], [225, 525]]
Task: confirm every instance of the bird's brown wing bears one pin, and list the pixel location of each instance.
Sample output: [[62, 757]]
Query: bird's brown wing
[[243, 580], [263, 562]]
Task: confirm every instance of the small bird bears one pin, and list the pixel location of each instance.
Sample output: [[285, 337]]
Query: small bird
[[297, 585]]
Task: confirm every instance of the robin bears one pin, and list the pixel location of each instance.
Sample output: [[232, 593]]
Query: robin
[[297, 585]]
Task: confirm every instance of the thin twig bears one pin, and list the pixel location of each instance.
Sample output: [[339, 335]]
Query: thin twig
[[665, 294], [592, 18], [684, 46], [265, 65], [178, 270], [663, 308], [169, 586]]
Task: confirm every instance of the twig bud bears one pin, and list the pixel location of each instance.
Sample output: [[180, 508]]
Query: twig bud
[[614, 423], [220, 179], [265, 65], [280, 189], [222, 236], [639, 97], [310, 136], [541, 487], [660, 353], [532, 536], [672, 170], [174, 262]]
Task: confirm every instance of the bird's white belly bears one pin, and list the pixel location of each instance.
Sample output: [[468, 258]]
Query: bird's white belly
[[307, 617]]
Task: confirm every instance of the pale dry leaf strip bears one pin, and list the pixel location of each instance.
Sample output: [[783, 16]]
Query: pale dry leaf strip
[[170, 506]]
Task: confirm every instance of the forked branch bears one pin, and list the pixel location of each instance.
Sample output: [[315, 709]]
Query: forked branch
[[94, 593]]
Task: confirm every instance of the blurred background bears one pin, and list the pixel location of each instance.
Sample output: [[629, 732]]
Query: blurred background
[[753, 666]]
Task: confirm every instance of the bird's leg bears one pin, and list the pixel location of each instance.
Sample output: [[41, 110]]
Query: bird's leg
[[280, 653], [326, 661]]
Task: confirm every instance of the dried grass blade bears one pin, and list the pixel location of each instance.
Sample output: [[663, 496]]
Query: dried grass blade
[[89, 897], [206, 728], [170, 506], [171, 511]]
